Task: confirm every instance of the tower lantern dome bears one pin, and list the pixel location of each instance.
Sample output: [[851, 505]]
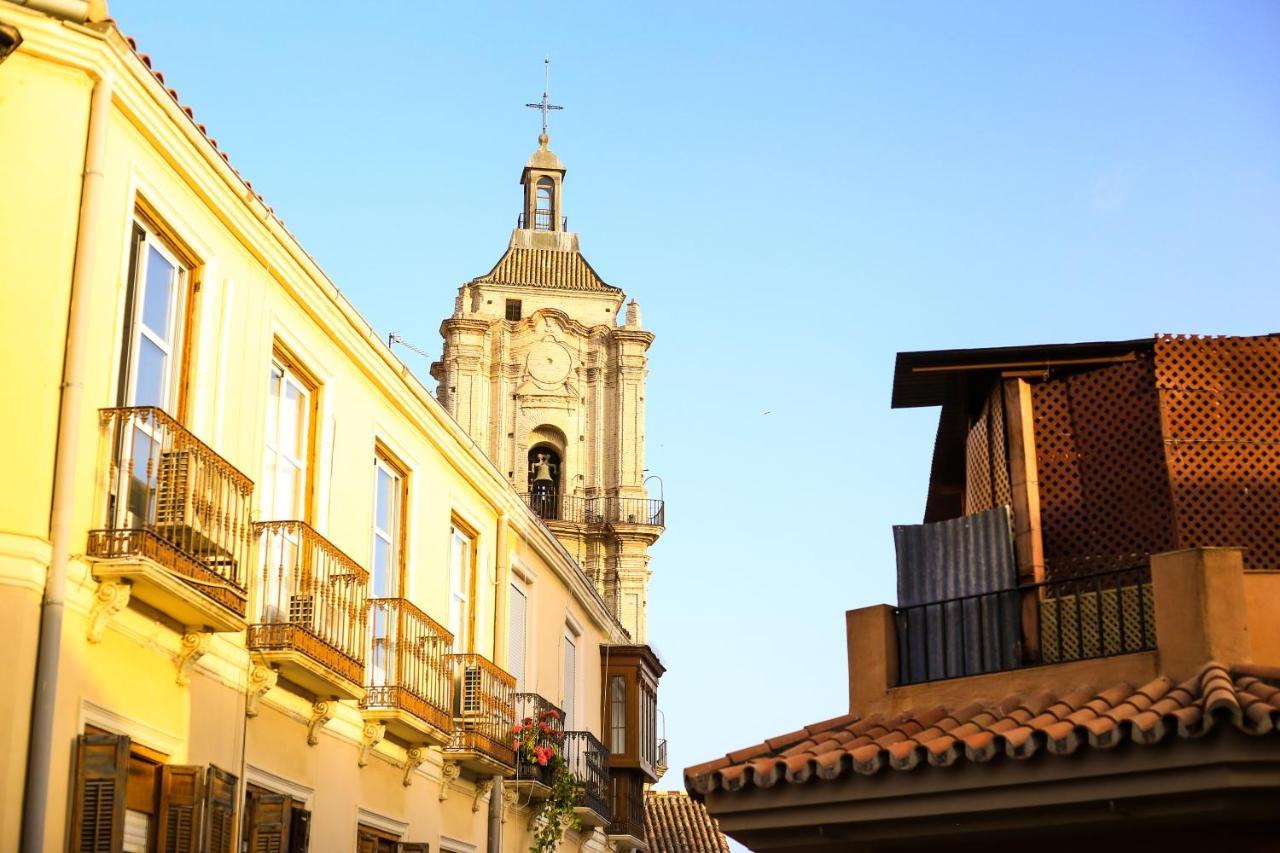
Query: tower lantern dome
[[543, 181]]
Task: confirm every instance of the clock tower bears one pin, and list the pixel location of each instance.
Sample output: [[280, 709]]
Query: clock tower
[[545, 368]]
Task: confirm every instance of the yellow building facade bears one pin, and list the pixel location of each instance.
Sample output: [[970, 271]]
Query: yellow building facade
[[297, 600]]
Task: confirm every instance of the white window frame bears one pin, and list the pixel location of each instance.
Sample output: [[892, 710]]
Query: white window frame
[[271, 442], [393, 536], [459, 591], [142, 239], [521, 588], [569, 679]]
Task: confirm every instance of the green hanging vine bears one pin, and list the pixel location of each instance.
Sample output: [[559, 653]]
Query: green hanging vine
[[556, 814]]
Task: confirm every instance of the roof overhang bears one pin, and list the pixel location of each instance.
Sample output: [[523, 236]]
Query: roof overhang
[[928, 378], [1227, 775]]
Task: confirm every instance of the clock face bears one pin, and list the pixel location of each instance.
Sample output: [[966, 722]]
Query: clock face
[[549, 362]]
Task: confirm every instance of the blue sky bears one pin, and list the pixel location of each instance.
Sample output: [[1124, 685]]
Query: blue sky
[[794, 193]]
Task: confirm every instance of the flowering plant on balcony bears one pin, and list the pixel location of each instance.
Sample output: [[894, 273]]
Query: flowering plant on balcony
[[538, 743]]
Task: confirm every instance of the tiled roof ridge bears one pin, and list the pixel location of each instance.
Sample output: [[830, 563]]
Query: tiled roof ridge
[[677, 823], [1245, 697], [545, 268]]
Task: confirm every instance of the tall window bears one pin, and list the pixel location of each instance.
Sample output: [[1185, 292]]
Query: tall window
[[285, 485], [570, 677], [461, 587], [519, 610], [544, 215], [388, 527], [617, 715], [153, 324]]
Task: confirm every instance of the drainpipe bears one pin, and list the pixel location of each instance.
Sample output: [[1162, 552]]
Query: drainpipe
[[40, 742], [495, 816]]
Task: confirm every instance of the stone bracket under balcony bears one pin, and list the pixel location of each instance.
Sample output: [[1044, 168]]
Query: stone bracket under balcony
[[300, 669], [187, 602], [412, 727]]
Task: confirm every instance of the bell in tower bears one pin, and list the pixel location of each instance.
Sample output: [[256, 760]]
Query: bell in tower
[[544, 482]]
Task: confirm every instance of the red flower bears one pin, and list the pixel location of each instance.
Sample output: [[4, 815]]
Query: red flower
[[516, 744], [543, 726], [555, 715], [518, 728]]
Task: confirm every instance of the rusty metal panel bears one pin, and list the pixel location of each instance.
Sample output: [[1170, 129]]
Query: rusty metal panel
[[1104, 490], [1220, 400]]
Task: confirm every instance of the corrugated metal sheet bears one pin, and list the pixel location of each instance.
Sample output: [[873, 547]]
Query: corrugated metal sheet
[[947, 560]]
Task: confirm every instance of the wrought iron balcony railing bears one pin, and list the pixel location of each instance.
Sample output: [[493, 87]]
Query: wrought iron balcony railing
[[547, 720], [660, 764], [311, 599], [172, 499], [597, 510], [483, 709], [541, 221], [408, 666], [1091, 616], [588, 761]]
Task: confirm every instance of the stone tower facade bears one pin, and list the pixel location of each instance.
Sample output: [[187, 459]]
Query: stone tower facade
[[540, 372]]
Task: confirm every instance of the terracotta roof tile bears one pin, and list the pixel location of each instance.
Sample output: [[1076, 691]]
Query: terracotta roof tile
[[676, 823], [1246, 698], [545, 268]]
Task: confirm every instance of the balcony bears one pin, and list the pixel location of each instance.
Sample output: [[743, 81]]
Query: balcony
[[571, 509], [483, 716], [534, 780], [408, 678], [660, 765], [626, 826], [588, 761], [177, 527], [1091, 616], [542, 221], [312, 611]]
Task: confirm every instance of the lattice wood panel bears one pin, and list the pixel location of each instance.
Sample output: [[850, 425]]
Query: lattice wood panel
[[987, 458], [1220, 399], [1097, 624], [1104, 491]]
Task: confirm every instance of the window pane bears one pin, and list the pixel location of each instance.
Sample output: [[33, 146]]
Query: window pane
[[148, 384], [382, 509], [617, 715], [293, 420], [381, 567], [286, 491], [158, 292]]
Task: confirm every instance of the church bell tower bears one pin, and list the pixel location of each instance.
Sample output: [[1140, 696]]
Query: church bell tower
[[545, 369]]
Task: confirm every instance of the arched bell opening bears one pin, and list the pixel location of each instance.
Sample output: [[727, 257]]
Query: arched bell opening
[[544, 480]]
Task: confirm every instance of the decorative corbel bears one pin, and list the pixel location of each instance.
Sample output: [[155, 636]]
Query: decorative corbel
[[108, 600], [534, 814], [321, 713], [483, 787], [449, 771], [261, 680], [369, 738], [510, 796], [194, 645], [413, 759]]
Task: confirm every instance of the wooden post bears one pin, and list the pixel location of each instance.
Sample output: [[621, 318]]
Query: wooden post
[[1024, 484]]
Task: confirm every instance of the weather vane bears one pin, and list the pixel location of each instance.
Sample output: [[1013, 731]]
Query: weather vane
[[545, 104]]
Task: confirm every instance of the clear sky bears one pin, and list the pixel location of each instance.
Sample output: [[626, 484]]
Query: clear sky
[[794, 193]]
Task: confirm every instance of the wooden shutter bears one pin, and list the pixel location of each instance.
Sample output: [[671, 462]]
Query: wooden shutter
[[299, 829], [219, 811], [413, 847], [97, 811], [178, 824], [268, 823], [366, 841]]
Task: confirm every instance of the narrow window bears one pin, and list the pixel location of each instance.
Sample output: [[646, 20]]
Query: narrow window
[[461, 586], [285, 487], [570, 677], [153, 324], [617, 715], [513, 310], [519, 609], [544, 215], [388, 529]]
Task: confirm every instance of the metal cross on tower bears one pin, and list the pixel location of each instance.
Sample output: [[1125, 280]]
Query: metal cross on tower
[[545, 104]]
